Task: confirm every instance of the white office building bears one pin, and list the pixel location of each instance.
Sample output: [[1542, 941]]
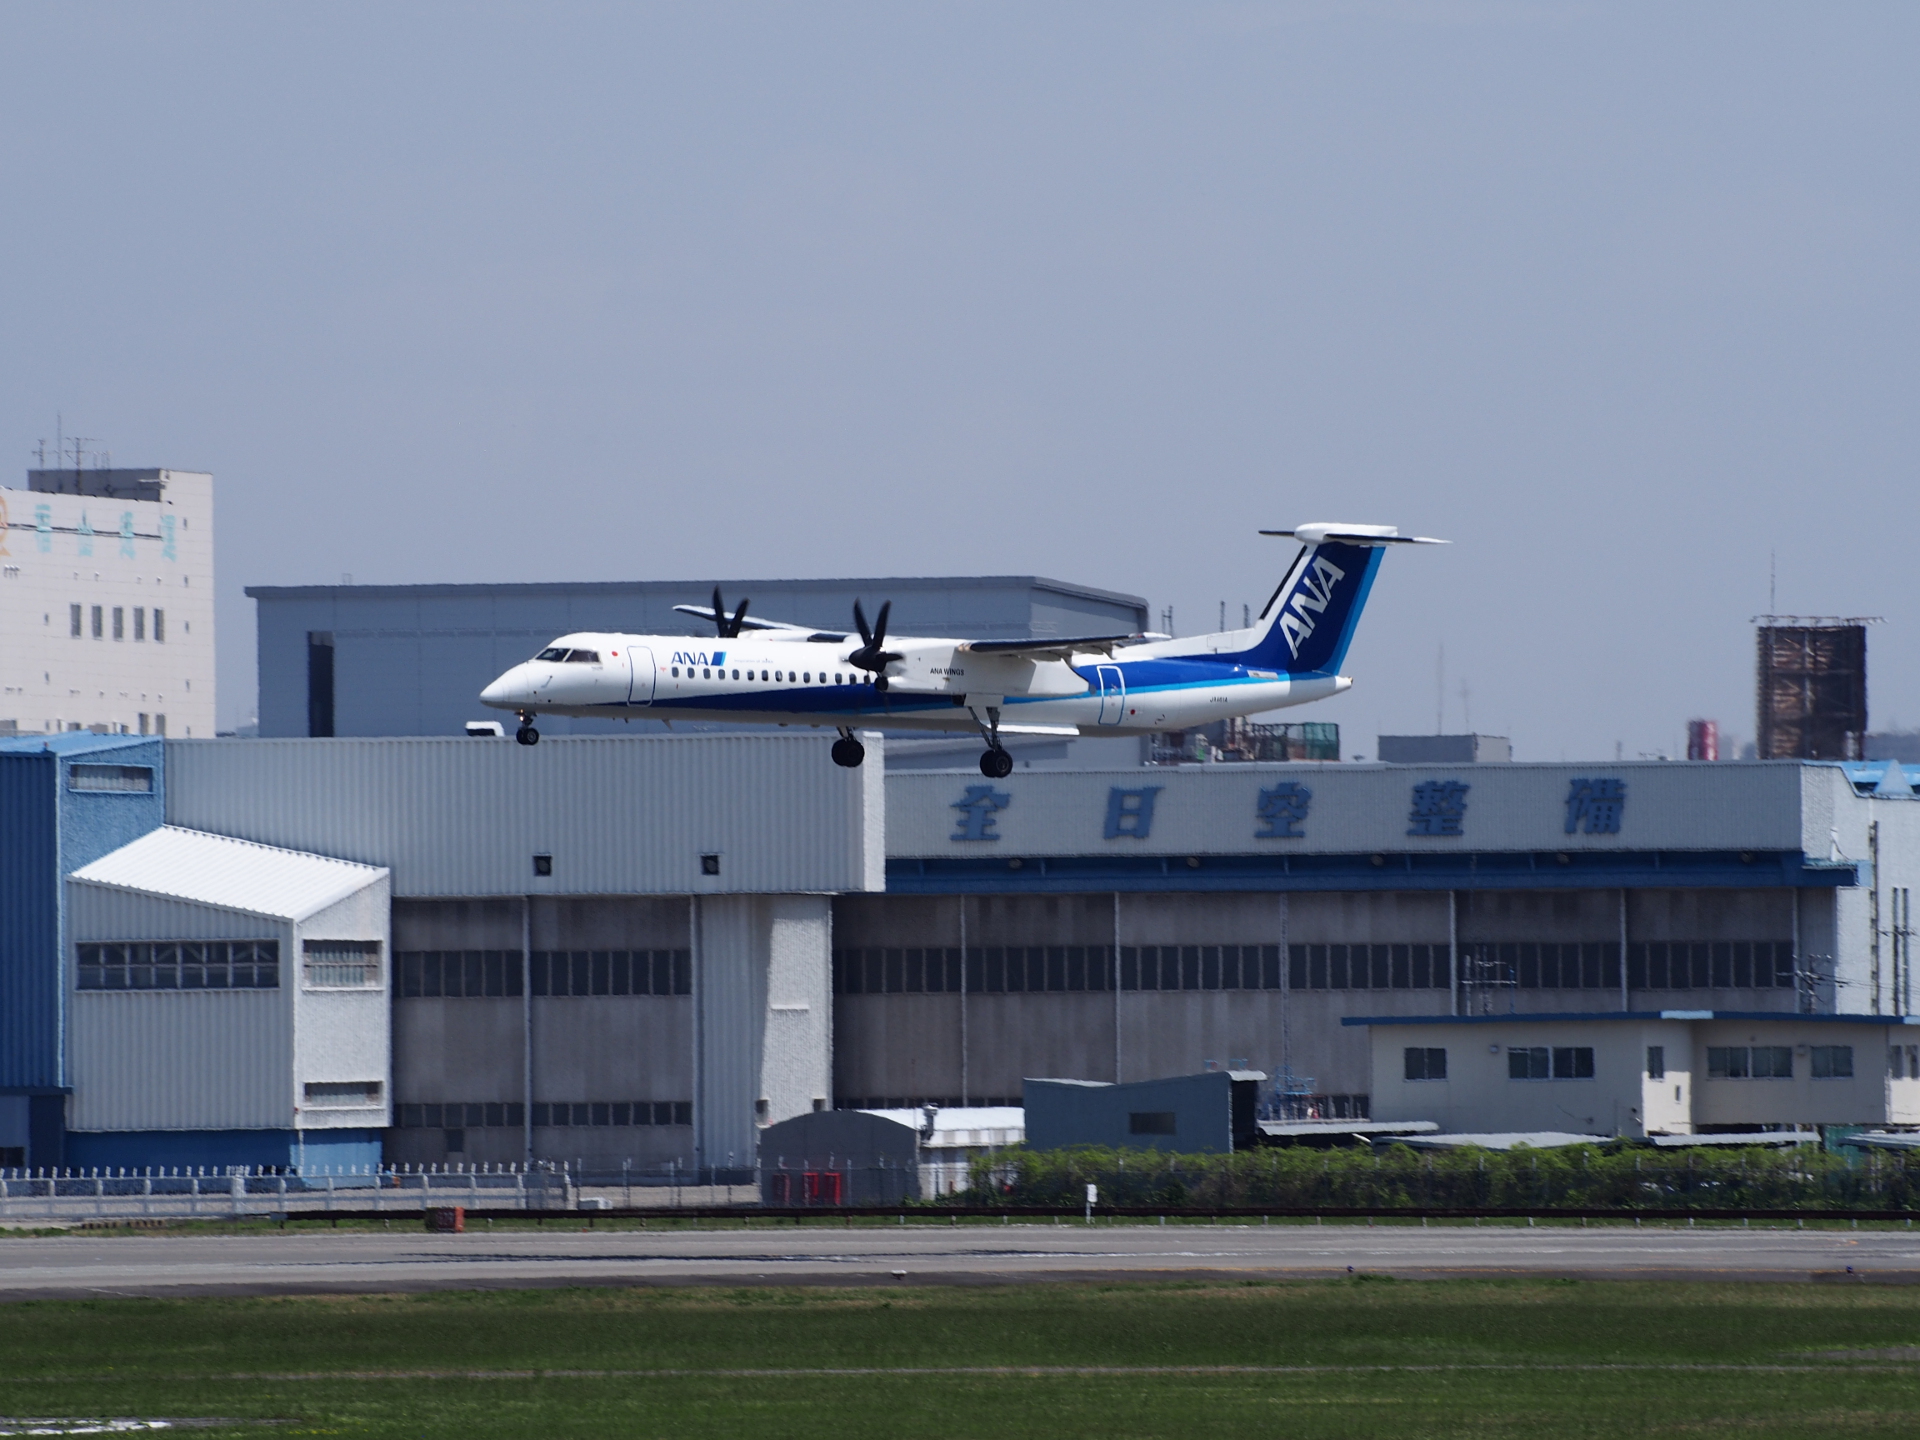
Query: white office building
[[106, 603]]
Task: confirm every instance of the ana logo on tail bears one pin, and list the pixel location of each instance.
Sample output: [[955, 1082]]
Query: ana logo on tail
[[1313, 593]]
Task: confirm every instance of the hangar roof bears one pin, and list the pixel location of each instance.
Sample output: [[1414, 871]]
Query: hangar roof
[[231, 874]]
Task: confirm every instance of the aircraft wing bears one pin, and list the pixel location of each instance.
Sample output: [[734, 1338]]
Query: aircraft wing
[[706, 613], [1062, 649]]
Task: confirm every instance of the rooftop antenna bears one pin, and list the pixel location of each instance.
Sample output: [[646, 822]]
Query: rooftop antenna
[[1773, 603], [1440, 691], [1223, 615], [41, 453]]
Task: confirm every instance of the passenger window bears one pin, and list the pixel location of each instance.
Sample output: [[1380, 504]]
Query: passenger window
[[779, 675], [706, 674], [676, 672], [736, 674], [806, 677]]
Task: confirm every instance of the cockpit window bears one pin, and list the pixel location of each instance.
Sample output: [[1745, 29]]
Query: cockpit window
[[584, 657], [552, 652]]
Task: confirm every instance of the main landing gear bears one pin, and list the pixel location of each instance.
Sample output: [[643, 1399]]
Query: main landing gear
[[526, 734], [996, 764], [847, 751]]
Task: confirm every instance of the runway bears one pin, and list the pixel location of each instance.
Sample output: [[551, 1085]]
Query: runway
[[319, 1261]]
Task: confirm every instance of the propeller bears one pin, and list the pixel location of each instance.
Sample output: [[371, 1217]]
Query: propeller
[[729, 628], [871, 655]]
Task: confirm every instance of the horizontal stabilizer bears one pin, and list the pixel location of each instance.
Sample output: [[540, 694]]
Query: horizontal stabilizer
[[1364, 536]]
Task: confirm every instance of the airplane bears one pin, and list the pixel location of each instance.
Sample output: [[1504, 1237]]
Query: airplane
[[767, 672]]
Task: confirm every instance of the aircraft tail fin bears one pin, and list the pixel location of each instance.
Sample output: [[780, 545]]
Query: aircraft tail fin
[[1309, 622]]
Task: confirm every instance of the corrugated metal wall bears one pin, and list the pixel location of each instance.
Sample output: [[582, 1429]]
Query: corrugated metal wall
[[618, 815]]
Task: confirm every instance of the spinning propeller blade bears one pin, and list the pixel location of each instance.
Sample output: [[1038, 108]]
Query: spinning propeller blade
[[728, 628]]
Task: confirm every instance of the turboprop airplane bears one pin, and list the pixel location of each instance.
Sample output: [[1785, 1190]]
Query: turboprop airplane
[[765, 672]]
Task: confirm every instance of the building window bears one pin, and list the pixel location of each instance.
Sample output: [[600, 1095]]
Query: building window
[[342, 1094], [119, 623], [126, 779], [1832, 1062], [342, 964], [1903, 1062], [1656, 1062], [139, 622], [180, 965], [1425, 1063], [1573, 1062], [73, 620], [1530, 1062], [99, 622], [1741, 1062], [159, 626], [1151, 1122]]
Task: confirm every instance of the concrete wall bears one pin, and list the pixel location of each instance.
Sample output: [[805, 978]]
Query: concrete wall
[[342, 1035]]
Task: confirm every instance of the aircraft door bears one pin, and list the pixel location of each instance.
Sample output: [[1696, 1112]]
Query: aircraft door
[[1113, 695], [641, 659]]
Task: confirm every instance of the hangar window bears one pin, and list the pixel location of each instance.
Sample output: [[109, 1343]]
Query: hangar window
[[491, 1115], [1831, 1062], [180, 965], [612, 972], [1425, 1062], [1368, 967], [342, 964], [133, 779], [1702, 965], [1152, 1122], [1656, 1062], [457, 974]]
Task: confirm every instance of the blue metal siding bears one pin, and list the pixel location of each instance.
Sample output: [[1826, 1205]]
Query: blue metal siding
[[48, 830], [29, 920], [1499, 870]]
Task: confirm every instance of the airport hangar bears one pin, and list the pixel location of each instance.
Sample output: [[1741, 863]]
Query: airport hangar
[[318, 953]]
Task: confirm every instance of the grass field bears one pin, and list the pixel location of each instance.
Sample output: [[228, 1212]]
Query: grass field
[[1357, 1357]]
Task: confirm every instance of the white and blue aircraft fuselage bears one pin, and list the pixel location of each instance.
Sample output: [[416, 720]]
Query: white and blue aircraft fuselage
[[765, 672]]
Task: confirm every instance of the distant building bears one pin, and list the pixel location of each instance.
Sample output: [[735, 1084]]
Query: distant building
[[1212, 1111], [1647, 1072], [1444, 749], [106, 603], [370, 660], [1811, 678]]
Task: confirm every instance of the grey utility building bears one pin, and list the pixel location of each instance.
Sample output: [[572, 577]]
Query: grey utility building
[[412, 659]]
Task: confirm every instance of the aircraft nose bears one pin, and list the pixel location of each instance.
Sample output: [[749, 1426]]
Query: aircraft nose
[[502, 692]]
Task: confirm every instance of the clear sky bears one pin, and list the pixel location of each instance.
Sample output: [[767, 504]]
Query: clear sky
[[1621, 298]]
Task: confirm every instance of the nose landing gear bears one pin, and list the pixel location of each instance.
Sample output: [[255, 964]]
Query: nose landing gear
[[526, 734], [847, 751]]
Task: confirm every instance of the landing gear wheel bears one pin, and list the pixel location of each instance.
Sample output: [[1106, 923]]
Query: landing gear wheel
[[527, 735], [996, 764], [848, 752], [880, 684]]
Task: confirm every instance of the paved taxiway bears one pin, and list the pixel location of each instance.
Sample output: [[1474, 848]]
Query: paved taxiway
[[335, 1261]]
